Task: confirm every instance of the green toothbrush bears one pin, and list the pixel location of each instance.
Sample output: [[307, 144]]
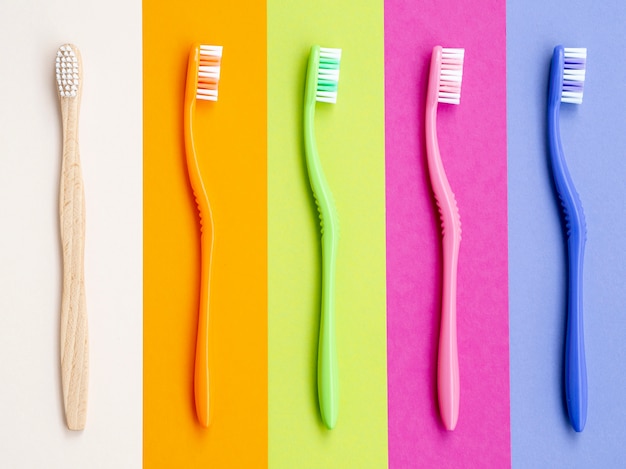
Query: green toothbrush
[[321, 85]]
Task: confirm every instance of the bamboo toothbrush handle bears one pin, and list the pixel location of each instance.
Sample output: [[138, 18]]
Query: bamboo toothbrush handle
[[74, 338]]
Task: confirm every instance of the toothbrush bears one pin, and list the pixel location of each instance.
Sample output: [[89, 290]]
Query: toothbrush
[[321, 85], [203, 74], [444, 86], [567, 76], [74, 337]]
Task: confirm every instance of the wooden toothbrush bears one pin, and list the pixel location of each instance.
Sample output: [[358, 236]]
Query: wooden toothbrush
[[74, 338]]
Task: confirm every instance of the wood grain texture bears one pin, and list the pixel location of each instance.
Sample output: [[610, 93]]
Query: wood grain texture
[[74, 337]]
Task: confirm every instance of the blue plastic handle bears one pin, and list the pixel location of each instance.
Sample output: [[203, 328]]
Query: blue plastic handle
[[576, 231]]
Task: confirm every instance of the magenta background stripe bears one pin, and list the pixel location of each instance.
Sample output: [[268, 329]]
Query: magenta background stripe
[[472, 140]]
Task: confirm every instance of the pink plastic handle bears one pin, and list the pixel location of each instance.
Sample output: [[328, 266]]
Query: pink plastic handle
[[448, 358]]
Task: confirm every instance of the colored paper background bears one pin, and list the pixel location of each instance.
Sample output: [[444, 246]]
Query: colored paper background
[[472, 139], [231, 143], [593, 141], [350, 136], [33, 433]]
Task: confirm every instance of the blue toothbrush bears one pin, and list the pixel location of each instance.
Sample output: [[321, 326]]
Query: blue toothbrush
[[567, 76]]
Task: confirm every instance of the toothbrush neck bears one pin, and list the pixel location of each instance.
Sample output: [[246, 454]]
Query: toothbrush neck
[[433, 80], [556, 79]]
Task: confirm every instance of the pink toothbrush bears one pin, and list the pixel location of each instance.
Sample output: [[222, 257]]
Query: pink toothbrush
[[444, 86]]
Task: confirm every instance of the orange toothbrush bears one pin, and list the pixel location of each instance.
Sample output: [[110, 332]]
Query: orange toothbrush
[[203, 74]]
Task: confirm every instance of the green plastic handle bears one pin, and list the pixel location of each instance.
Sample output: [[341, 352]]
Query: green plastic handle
[[327, 368]]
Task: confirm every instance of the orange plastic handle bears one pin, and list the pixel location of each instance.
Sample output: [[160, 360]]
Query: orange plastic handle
[[201, 372]]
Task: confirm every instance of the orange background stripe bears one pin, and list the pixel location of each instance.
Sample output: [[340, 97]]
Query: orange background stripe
[[232, 144]]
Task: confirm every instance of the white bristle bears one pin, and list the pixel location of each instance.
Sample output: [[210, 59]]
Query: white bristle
[[209, 72], [328, 77], [208, 92], [451, 75], [580, 52], [573, 74], [67, 71], [211, 50], [578, 99], [329, 52]]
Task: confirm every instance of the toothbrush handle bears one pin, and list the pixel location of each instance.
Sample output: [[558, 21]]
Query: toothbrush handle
[[74, 334], [576, 231], [327, 365], [201, 364], [575, 366], [201, 370], [448, 357], [448, 382]]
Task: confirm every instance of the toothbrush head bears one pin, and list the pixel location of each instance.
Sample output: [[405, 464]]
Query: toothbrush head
[[328, 75], [209, 64], [450, 76], [574, 64], [68, 71]]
